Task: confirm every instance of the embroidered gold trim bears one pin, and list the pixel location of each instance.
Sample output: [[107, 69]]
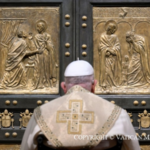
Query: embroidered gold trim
[[74, 116], [92, 117], [77, 88], [60, 112], [45, 129], [107, 126], [78, 101], [70, 132]]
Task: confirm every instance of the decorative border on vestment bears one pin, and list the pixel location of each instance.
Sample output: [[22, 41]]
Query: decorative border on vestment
[[106, 127], [45, 129], [76, 88]]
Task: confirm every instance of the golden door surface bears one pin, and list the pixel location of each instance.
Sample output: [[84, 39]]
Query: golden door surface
[[29, 48], [39, 39], [36, 45], [121, 48], [114, 37]]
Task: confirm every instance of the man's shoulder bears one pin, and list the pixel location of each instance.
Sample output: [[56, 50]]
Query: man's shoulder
[[88, 100], [93, 97]]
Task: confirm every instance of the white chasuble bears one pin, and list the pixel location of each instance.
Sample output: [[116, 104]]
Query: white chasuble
[[78, 120]]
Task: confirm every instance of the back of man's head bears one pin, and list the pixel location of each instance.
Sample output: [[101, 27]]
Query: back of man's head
[[79, 72]]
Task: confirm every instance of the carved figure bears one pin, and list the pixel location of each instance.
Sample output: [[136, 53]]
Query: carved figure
[[5, 119], [138, 71], [110, 58], [25, 118], [144, 120], [15, 74], [46, 58]]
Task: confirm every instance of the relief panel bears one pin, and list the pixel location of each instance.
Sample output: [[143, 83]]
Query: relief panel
[[29, 50], [121, 50]]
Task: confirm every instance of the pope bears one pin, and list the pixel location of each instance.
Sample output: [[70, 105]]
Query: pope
[[80, 119]]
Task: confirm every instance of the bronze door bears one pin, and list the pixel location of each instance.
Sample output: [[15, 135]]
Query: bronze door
[[114, 37], [39, 38], [36, 44]]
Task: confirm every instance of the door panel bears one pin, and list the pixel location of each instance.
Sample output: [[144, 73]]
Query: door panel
[[119, 67], [73, 28], [36, 40], [22, 70]]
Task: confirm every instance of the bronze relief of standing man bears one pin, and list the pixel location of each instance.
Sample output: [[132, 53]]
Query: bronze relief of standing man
[[110, 57], [46, 59]]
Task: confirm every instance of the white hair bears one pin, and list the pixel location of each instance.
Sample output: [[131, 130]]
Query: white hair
[[86, 81]]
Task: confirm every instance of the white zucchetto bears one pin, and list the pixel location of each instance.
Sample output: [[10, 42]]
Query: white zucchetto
[[79, 68]]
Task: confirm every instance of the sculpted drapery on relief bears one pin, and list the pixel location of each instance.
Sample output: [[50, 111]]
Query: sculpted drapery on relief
[[47, 69], [138, 72], [121, 38], [109, 51], [15, 74], [29, 51]]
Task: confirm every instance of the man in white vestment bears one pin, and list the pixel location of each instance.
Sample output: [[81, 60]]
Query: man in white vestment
[[70, 121]]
